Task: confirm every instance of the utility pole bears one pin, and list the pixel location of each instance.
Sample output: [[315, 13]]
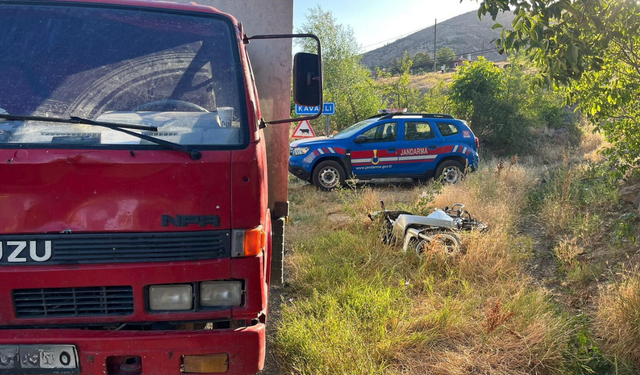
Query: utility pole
[[435, 35]]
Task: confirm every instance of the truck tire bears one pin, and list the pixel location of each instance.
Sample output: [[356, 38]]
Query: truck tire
[[328, 175], [450, 172]]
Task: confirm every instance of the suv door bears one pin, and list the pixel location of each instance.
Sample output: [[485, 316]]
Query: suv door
[[377, 154], [417, 151]]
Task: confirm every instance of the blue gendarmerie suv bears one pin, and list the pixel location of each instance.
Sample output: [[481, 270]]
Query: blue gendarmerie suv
[[417, 146]]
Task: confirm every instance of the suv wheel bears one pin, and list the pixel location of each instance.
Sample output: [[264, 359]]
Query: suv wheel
[[328, 175], [450, 172]]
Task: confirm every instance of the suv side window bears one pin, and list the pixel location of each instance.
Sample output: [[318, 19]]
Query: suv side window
[[417, 131], [386, 132], [447, 128]]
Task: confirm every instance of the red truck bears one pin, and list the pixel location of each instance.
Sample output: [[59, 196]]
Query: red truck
[[135, 234]]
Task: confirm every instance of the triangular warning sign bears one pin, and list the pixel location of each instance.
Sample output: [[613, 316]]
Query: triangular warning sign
[[303, 130]]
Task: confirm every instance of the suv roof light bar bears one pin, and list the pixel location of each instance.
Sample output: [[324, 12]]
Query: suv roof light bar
[[392, 110]]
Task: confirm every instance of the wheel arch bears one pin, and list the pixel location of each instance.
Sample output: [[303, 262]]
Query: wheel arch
[[458, 158], [333, 158]]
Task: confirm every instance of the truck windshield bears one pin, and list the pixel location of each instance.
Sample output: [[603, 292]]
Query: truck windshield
[[177, 72]]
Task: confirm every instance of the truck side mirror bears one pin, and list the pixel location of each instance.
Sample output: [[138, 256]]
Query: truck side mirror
[[307, 77], [361, 139], [307, 81]]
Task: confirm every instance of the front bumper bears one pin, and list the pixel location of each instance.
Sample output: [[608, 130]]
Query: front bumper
[[300, 172], [161, 351]]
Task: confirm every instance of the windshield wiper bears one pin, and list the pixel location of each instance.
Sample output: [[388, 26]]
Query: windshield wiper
[[193, 153], [76, 120]]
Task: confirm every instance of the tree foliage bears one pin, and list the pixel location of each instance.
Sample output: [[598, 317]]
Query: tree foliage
[[477, 92], [445, 56], [398, 91], [502, 105], [593, 46], [437, 100], [422, 62], [346, 82]]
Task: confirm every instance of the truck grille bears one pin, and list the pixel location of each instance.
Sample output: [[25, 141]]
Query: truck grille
[[73, 302], [85, 248]]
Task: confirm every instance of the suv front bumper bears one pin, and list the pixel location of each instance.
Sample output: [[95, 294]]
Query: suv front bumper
[[300, 172]]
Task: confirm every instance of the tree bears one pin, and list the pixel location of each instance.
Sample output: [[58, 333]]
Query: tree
[[591, 46], [395, 67], [397, 91], [422, 62], [437, 100], [346, 81], [495, 102], [445, 56]]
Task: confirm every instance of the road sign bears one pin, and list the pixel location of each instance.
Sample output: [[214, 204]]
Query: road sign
[[303, 130], [329, 109]]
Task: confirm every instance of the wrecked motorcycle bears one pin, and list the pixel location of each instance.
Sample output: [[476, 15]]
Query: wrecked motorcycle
[[421, 233]]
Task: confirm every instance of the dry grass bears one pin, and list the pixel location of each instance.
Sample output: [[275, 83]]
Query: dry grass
[[520, 333], [435, 316], [496, 198], [427, 81], [424, 82], [453, 338], [618, 317], [591, 144]]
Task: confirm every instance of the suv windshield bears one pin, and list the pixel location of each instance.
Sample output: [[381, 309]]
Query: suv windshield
[[179, 73], [351, 130]]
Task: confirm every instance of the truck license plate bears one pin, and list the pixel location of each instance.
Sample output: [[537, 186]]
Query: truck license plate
[[39, 359]]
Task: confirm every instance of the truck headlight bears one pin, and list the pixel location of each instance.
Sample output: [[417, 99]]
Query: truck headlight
[[171, 297], [300, 151], [221, 293]]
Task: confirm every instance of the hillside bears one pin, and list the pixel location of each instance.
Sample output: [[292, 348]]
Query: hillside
[[464, 34]]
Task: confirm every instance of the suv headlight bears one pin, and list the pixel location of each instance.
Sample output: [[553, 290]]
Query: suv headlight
[[300, 151], [221, 293]]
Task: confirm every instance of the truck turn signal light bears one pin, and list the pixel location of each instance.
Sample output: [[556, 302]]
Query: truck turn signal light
[[246, 243]]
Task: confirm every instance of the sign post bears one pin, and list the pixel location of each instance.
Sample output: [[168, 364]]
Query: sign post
[[326, 132], [329, 109]]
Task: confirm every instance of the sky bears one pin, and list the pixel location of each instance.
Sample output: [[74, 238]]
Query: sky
[[378, 22]]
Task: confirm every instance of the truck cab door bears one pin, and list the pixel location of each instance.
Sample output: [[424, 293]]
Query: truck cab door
[[374, 150], [419, 147]]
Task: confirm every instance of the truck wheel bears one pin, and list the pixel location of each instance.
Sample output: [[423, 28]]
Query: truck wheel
[[450, 172], [328, 175]]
